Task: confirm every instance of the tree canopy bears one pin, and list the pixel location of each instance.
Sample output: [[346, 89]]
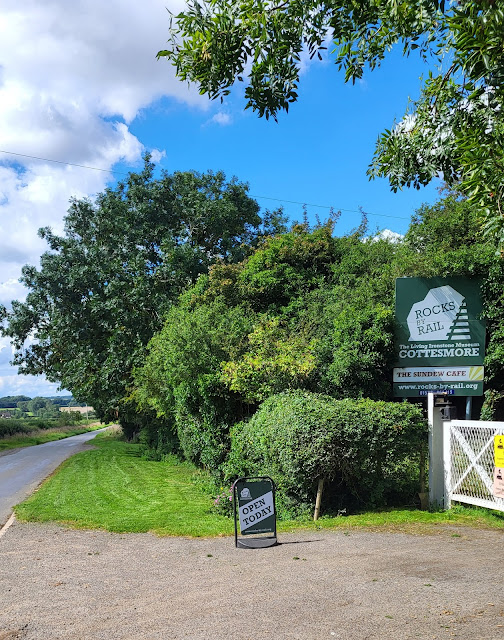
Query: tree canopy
[[305, 310], [454, 130], [104, 286]]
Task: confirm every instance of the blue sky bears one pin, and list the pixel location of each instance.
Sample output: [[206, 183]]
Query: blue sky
[[88, 90], [317, 154]]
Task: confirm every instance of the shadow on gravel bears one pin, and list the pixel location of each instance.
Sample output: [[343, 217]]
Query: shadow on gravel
[[281, 544]]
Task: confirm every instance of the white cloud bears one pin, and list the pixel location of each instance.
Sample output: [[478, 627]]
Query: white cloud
[[5, 352], [221, 118], [32, 386], [157, 155], [73, 76], [13, 384], [11, 289], [389, 235]]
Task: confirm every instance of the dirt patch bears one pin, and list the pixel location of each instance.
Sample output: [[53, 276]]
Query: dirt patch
[[62, 583]]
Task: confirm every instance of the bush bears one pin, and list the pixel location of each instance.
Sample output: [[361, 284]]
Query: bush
[[43, 423], [156, 435], [368, 452], [11, 426]]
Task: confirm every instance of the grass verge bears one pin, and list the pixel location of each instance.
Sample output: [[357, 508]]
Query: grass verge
[[40, 436], [112, 487]]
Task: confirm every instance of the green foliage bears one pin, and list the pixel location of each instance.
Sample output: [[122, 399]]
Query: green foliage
[[443, 239], [367, 451], [43, 408], [12, 401], [305, 310], [493, 295], [26, 433], [180, 378], [214, 43], [362, 349], [357, 354], [288, 265], [271, 323], [105, 285], [12, 426], [493, 406], [456, 127], [275, 361]]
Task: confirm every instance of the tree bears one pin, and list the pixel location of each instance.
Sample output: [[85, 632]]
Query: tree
[[180, 378], [307, 310], [105, 285], [36, 404], [304, 310], [12, 401], [455, 129]]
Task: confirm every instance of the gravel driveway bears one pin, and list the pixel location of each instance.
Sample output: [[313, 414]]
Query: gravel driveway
[[61, 583]]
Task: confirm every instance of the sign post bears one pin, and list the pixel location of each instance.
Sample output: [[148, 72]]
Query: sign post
[[254, 512], [440, 337]]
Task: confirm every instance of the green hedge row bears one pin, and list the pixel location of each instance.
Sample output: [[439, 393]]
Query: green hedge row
[[15, 426], [11, 426], [367, 452]]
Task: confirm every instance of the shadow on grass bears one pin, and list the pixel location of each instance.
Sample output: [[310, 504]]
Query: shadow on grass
[[132, 453]]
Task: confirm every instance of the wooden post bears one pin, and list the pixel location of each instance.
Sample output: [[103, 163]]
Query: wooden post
[[423, 494], [318, 500]]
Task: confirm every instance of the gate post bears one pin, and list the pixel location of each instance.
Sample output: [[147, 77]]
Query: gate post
[[438, 491]]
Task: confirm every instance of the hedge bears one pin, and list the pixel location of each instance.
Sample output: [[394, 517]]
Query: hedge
[[367, 452], [18, 426]]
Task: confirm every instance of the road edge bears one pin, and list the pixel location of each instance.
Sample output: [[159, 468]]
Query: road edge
[[9, 522]]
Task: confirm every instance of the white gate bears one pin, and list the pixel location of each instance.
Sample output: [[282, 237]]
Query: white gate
[[468, 452]]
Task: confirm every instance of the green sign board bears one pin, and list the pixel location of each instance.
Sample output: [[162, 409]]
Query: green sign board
[[440, 337], [254, 506]]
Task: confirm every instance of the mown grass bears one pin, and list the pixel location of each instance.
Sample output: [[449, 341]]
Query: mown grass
[[404, 520], [40, 436], [112, 487]]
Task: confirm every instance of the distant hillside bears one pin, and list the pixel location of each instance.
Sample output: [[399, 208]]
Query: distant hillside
[[11, 401], [63, 401]]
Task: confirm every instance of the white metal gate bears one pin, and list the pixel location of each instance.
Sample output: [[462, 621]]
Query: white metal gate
[[468, 448]]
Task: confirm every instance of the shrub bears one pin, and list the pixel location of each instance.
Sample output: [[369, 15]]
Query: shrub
[[368, 452], [43, 423], [11, 426]]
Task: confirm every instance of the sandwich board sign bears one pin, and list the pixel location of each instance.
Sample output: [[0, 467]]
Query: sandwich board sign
[[254, 512], [440, 337]]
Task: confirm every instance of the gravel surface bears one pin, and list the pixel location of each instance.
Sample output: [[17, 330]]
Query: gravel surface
[[62, 583]]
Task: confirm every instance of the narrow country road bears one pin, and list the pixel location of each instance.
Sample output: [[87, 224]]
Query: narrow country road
[[22, 470]]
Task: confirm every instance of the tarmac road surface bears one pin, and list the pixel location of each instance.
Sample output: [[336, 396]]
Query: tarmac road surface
[[22, 470]]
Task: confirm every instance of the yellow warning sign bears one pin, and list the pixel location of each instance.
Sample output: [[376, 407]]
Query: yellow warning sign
[[499, 451]]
